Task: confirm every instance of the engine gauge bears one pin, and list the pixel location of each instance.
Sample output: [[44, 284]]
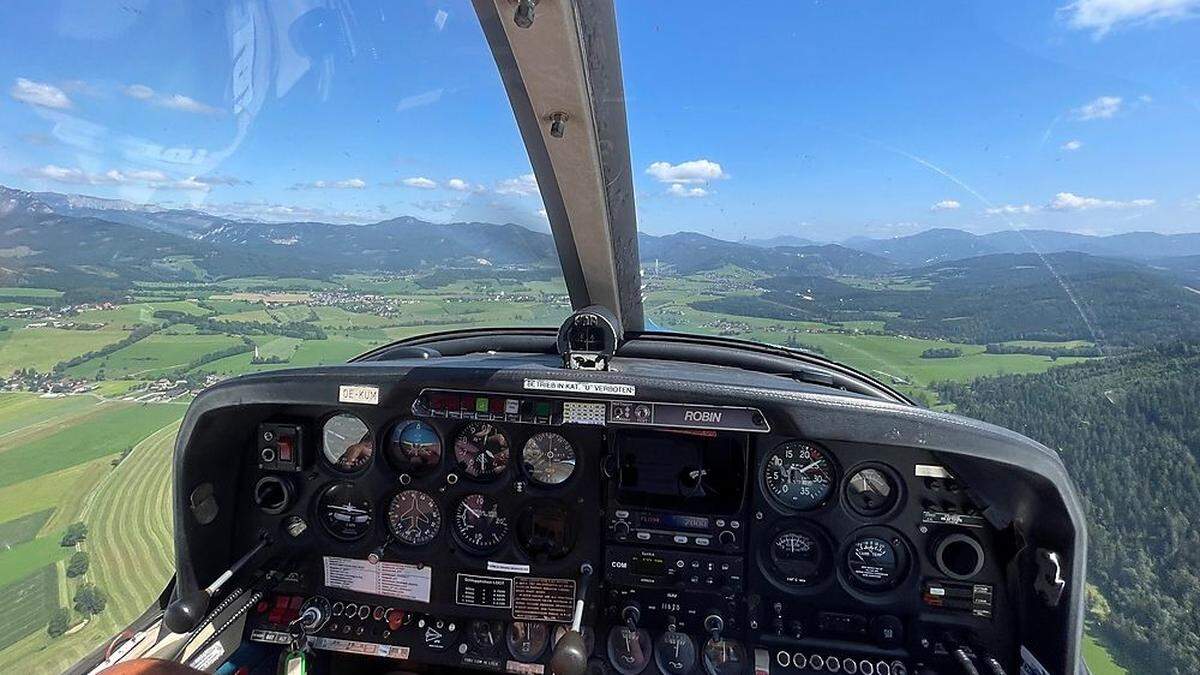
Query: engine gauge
[[798, 556], [485, 636], [346, 443], [479, 523], [548, 458], [413, 518], [527, 640], [345, 511], [723, 656], [414, 447], [798, 475], [481, 451], [629, 649], [871, 492], [874, 563]]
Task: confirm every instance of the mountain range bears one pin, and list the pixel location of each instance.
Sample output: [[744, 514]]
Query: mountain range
[[58, 239]]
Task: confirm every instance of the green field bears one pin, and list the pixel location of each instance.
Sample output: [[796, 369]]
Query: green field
[[1098, 658], [26, 604], [22, 529]]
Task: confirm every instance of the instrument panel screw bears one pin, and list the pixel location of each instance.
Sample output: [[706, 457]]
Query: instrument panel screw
[[758, 515]]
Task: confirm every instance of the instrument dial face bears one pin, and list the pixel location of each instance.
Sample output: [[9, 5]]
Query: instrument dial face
[[485, 636], [798, 475], [675, 653], [723, 656], [799, 558], [414, 448], [414, 518], [345, 511], [871, 492], [481, 451], [548, 458], [479, 523], [629, 650], [346, 443], [527, 640], [873, 563]]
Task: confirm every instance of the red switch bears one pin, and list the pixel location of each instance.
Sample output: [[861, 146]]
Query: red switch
[[284, 446]]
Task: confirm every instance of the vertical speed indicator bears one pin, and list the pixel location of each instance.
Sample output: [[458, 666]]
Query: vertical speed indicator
[[798, 475]]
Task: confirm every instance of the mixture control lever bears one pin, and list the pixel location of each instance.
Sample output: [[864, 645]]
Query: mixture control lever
[[570, 653]]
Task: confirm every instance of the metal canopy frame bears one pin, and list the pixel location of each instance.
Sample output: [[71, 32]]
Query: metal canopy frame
[[563, 78]]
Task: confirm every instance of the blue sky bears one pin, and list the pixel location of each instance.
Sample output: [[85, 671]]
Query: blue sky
[[817, 119]]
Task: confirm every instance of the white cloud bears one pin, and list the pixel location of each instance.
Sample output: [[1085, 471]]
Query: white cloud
[[460, 185], [946, 205], [127, 177], [138, 91], [677, 190], [1071, 146], [694, 171], [180, 102], [418, 100], [1067, 201], [419, 182], [39, 94], [524, 185], [1101, 108], [347, 184], [1102, 16], [1011, 209], [439, 19]]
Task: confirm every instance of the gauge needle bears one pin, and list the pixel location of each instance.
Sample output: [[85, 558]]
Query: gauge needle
[[471, 510]]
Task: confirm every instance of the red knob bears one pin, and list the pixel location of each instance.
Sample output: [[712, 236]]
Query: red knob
[[394, 618]]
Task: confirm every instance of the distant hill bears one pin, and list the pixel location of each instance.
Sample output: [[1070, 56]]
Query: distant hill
[[995, 298], [690, 252], [940, 245], [780, 240]]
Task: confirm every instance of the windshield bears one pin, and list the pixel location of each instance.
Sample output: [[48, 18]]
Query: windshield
[[991, 208]]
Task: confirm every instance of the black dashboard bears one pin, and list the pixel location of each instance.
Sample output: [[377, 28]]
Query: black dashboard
[[451, 512]]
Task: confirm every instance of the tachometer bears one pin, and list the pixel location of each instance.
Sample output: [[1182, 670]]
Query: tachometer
[[548, 458], [479, 523], [414, 448], [347, 443], [481, 451], [414, 518], [345, 511], [798, 475]]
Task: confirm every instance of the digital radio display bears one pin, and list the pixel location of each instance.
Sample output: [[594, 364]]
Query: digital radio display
[[671, 521]]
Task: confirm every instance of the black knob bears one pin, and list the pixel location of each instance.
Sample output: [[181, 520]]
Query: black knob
[[713, 623], [727, 538], [632, 614], [621, 528]]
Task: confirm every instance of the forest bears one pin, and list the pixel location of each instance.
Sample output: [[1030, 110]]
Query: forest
[[1126, 428]]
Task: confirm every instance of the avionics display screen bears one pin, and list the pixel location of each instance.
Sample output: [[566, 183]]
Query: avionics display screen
[[689, 473]]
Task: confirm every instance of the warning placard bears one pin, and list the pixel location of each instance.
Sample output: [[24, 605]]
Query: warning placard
[[474, 590], [393, 579], [543, 599]]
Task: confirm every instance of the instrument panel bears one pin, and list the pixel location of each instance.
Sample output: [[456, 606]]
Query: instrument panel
[[461, 529]]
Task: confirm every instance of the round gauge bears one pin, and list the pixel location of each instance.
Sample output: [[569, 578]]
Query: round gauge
[[874, 563], [479, 524], [798, 475], [675, 653], [527, 640], [871, 492], [345, 511], [629, 649], [413, 518], [548, 458], [414, 448], [485, 636], [546, 531], [481, 451], [346, 443], [723, 656], [798, 557]]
